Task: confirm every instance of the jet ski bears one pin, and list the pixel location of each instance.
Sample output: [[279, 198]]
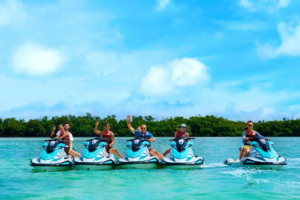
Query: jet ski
[[95, 156], [53, 157], [262, 155], [138, 155], [182, 156]]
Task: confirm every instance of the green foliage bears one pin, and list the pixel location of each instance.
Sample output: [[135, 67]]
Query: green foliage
[[198, 126]]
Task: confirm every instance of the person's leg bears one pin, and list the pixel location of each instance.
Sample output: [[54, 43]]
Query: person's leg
[[241, 153], [247, 151], [115, 151], [167, 151], [153, 152], [74, 153]]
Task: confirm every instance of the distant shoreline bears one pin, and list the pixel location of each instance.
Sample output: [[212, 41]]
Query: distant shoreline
[[198, 126]]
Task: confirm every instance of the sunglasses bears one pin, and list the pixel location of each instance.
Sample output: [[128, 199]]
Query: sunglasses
[[143, 128], [106, 126], [249, 125]]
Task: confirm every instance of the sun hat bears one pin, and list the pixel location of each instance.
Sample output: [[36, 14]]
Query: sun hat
[[182, 125]]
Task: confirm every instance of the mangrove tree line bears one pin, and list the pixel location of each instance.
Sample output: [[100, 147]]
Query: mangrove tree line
[[198, 126]]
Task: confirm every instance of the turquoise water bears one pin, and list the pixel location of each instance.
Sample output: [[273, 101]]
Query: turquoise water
[[214, 181]]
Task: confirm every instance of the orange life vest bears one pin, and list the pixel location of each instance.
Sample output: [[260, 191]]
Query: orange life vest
[[67, 139], [180, 134], [107, 136], [251, 134]]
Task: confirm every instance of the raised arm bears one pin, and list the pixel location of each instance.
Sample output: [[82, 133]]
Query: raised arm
[[96, 128], [53, 132], [129, 125]]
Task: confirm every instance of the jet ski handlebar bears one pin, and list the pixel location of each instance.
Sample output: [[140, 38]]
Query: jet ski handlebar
[[55, 139], [182, 138], [97, 138], [131, 140]]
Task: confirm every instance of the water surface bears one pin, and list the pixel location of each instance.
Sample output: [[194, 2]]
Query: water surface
[[214, 181]]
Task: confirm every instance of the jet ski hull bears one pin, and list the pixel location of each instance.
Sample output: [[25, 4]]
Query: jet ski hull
[[262, 155], [137, 166], [103, 165], [50, 167], [95, 156], [168, 163], [138, 156], [254, 163], [92, 167], [148, 164]]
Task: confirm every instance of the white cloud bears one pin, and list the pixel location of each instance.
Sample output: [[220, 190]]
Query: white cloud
[[264, 5], [290, 43], [247, 4], [41, 96], [188, 71], [283, 3], [10, 12], [268, 111], [157, 82], [162, 4], [36, 60], [162, 80]]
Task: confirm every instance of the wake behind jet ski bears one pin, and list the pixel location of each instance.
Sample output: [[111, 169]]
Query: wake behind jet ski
[[181, 155], [262, 155], [138, 156], [53, 157], [95, 156]]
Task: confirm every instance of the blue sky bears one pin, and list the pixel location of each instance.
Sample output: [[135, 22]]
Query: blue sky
[[237, 59]]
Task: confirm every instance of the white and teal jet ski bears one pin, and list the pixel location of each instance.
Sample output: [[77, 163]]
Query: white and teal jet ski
[[262, 155], [53, 157], [182, 156], [138, 155], [95, 156]]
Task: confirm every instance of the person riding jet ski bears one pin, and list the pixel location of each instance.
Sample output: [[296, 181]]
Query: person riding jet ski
[[53, 157], [59, 133], [95, 156], [181, 133], [108, 137], [140, 154], [258, 152], [68, 140], [144, 134], [248, 135], [181, 153]]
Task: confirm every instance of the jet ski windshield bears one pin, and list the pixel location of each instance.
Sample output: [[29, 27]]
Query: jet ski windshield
[[52, 145], [263, 143], [136, 143], [181, 143], [94, 143]]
